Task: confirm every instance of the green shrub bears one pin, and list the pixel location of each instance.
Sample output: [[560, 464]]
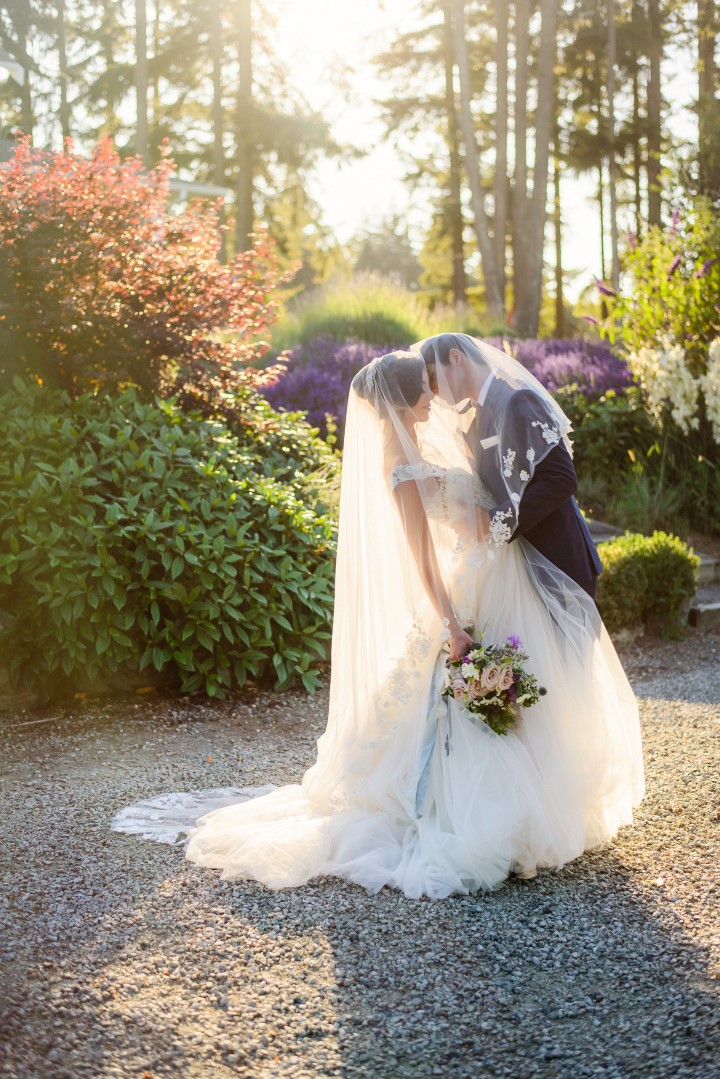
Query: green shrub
[[672, 285], [374, 310], [610, 433], [643, 479], [136, 536], [647, 581], [641, 502], [286, 447]]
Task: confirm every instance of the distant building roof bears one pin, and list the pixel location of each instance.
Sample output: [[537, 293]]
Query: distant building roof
[[17, 71]]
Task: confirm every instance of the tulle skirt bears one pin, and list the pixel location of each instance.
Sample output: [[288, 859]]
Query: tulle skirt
[[456, 808]]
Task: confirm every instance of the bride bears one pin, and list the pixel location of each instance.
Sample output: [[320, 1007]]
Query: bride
[[408, 789]]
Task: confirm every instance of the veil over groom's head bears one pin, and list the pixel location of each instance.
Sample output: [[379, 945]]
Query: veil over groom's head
[[456, 365]]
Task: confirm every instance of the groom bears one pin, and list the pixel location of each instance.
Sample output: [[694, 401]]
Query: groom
[[548, 517]]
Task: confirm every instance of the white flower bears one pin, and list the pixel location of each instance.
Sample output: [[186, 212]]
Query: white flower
[[668, 383], [524, 476], [508, 461], [530, 454], [710, 386]]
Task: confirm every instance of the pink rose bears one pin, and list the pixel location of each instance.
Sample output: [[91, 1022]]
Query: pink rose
[[506, 678], [477, 690], [489, 677], [459, 688]]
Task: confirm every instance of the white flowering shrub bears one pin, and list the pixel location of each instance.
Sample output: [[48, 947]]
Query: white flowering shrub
[[668, 383], [710, 386]]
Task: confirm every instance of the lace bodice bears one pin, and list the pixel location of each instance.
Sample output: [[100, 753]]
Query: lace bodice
[[454, 487]]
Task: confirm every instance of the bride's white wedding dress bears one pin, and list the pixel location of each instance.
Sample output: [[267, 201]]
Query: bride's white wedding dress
[[411, 791]]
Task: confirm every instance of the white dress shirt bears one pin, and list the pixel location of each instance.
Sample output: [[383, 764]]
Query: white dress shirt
[[485, 387]]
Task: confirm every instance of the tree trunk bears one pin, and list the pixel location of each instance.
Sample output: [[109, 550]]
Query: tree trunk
[[500, 184], [528, 311], [141, 80], [707, 30], [244, 134], [520, 192], [612, 166], [654, 101], [27, 119], [156, 106], [459, 282], [480, 218], [601, 201], [636, 149], [64, 110], [557, 215], [218, 152]]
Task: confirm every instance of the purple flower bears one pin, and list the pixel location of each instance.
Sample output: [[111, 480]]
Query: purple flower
[[593, 321], [632, 240], [317, 379], [672, 230], [705, 267], [604, 290], [674, 265], [514, 641]]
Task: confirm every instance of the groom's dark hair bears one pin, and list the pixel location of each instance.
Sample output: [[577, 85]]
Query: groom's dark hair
[[438, 348]]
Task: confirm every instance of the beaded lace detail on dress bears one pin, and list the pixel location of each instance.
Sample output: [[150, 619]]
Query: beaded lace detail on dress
[[453, 485]]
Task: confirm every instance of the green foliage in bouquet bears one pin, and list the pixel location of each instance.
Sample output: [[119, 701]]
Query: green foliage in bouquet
[[647, 582], [137, 538]]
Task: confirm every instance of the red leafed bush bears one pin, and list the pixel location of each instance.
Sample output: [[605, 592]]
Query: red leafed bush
[[102, 284]]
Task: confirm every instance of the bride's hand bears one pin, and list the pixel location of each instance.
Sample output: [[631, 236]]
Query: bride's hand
[[460, 643]]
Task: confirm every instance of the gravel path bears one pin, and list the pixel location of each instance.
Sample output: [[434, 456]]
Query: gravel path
[[120, 959]]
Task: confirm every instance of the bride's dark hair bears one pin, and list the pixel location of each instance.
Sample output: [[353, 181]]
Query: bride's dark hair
[[395, 379]]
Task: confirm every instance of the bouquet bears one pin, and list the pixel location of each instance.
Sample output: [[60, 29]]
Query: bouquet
[[491, 682]]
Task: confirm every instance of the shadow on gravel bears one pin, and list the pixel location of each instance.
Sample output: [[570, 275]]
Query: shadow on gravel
[[176, 973], [567, 975]]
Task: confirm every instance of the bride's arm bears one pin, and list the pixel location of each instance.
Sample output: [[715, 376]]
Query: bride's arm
[[417, 531]]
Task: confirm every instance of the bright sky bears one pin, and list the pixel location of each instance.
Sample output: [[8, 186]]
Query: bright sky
[[320, 38]]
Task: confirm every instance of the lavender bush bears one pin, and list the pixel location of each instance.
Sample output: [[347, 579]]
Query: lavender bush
[[315, 377], [589, 365]]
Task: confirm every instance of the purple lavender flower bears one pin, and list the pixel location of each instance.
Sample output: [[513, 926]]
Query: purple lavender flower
[[514, 641], [674, 265], [593, 321], [706, 266], [604, 290], [632, 240], [316, 376], [317, 379], [589, 365], [672, 230]]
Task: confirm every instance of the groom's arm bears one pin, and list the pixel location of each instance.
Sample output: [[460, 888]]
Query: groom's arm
[[553, 482]]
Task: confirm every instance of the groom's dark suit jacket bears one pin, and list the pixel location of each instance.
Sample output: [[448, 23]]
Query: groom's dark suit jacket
[[549, 516]]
